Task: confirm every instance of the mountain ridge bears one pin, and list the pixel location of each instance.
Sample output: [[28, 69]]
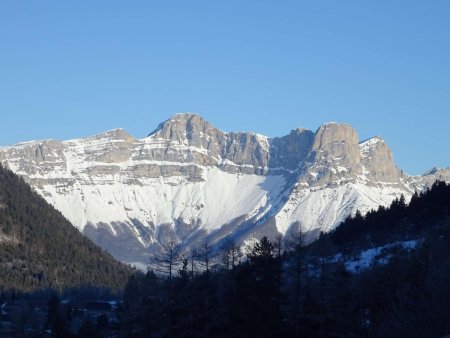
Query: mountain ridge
[[188, 181]]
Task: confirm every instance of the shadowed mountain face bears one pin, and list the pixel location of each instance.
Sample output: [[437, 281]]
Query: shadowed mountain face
[[187, 181], [39, 248]]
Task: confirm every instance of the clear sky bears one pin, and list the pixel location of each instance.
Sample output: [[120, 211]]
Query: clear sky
[[76, 68]]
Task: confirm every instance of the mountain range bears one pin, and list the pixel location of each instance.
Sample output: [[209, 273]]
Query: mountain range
[[187, 182]]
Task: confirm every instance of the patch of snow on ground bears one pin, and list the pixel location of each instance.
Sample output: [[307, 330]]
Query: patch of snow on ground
[[379, 255]]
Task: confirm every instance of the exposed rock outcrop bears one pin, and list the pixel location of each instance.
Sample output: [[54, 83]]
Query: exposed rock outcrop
[[378, 161]]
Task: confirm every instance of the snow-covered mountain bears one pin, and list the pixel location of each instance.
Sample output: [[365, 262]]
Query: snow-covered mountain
[[188, 181]]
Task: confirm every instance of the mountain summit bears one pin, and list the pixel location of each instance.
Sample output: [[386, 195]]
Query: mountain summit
[[188, 181]]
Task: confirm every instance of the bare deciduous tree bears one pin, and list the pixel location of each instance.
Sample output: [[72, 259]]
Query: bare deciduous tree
[[205, 255], [230, 255], [166, 262]]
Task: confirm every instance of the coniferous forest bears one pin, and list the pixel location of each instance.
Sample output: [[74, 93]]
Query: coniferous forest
[[39, 248], [385, 274]]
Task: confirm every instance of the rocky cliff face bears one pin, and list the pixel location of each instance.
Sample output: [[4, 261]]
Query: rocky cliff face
[[378, 162], [188, 182], [334, 156], [198, 141]]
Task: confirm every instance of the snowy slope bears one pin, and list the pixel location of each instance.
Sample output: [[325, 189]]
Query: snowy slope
[[324, 208], [210, 203]]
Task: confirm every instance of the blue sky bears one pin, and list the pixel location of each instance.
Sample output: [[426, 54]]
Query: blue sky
[[76, 68]]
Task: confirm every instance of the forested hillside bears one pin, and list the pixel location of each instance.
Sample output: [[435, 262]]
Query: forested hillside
[[314, 290], [39, 248]]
